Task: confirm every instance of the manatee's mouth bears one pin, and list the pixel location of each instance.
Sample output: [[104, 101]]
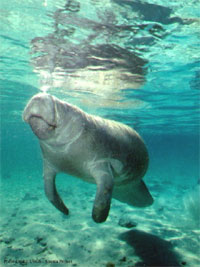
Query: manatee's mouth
[[41, 127], [39, 117]]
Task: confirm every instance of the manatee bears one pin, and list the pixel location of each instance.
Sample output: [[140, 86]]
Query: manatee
[[89, 147]]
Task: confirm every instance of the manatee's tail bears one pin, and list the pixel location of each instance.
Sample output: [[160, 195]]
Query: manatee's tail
[[135, 194]]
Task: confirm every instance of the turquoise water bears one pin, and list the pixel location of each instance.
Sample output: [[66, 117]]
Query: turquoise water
[[136, 62]]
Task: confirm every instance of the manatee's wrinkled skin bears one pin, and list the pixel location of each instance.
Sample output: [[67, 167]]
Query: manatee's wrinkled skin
[[97, 150]]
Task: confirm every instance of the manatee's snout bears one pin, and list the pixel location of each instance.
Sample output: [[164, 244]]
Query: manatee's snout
[[40, 113]]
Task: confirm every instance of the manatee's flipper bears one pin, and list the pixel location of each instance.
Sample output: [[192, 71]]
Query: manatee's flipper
[[104, 179], [135, 194], [50, 189]]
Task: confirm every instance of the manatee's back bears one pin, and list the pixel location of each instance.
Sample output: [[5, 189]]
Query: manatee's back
[[128, 157], [120, 142]]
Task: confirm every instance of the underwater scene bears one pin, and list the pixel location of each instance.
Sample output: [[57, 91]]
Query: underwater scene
[[79, 186]]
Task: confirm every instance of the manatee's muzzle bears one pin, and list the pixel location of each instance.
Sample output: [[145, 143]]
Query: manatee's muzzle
[[40, 127], [40, 114]]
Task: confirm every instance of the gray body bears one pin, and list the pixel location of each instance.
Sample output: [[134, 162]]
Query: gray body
[[97, 150]]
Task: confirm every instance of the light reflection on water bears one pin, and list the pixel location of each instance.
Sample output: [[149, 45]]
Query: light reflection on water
[[114, 58]]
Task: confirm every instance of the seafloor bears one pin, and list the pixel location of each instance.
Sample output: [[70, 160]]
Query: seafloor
[[34, 233]]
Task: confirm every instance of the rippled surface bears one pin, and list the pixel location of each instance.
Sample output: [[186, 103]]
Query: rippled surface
[[127, 59]]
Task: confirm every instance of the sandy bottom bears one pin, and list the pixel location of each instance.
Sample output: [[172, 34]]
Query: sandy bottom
[[34, 233]]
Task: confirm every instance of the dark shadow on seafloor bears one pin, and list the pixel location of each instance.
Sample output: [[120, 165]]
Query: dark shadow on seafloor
[[152, 250]]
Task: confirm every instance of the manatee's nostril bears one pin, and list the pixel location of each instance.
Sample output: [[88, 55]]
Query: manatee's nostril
[[51, 128]]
